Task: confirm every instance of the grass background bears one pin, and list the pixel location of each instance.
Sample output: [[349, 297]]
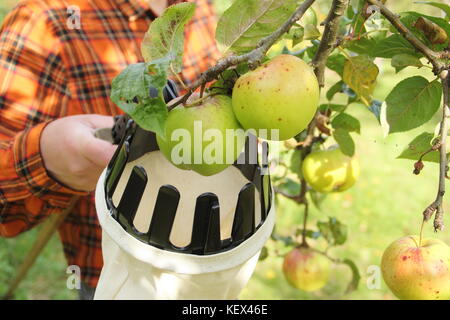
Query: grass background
[[385, 204]]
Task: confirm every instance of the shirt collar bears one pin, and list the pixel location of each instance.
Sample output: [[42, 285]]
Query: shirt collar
[[135, 9]]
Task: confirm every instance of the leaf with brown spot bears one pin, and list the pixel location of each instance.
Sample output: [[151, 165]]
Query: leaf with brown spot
[[432, 31], [166, 35], [360, 74]]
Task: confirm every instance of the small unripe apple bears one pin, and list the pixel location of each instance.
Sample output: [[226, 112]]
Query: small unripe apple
[[282, 94], [330, 170], [414, 272], [204, 137], [306, 269]]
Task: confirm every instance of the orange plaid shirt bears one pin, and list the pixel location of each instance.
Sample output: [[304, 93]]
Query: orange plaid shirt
[[47, 71]]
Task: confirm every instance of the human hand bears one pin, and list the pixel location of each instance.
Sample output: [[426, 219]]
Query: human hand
[[71, 153]]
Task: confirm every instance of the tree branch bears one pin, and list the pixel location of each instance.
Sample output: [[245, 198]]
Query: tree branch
[[443, 132], [441, 70], [432, 56], [327, 45], [329, 38], [254, 57]]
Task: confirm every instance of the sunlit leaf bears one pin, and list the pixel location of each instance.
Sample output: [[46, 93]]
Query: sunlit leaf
[[356, 277], [444, 7], [166, 35], [246, 22], [403, 60], [360, 74], [346, 122], [420, 144], [345, 141], [412, 103]]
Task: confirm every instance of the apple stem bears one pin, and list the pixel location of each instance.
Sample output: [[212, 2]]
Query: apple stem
[[305, 221], [200, 100], [421, 233], [185, 87]]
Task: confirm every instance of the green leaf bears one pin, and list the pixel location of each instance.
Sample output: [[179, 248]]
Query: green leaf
[[290, 187], [333, 107], [394, 45], [166, 35], [362, 46], [345, 141], [420, 144], [310, 17], [246, 22], [264, 254], [360, 74], [346, 122], [311, 32], [131, 83], [296, 163], [338, 230], [309, 233], [412, 103], [403, 60], [333, 231], [410, 19], [317, 198], [356, 277], [442, 6], [287, 240], [325, 230], [336, 63], [336, 88], [312, 50], [131, 92], [297, 35]]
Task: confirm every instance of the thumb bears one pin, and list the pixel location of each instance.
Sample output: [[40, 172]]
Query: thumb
[[98, 151], [96, 121]]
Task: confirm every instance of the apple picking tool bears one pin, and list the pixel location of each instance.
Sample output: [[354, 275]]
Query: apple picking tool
[[174, 234]]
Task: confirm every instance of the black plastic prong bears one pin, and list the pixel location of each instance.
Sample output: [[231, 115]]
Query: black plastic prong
[[114, 173], [265, 154], [213, 240], [163, 216], [131, 197], [244, 217], [203, 207], [258, 181], [265, 196]]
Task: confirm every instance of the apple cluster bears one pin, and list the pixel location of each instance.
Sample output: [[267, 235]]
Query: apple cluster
[[276, 101]]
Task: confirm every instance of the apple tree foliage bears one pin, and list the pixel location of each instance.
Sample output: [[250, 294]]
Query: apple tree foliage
[[363, 36]]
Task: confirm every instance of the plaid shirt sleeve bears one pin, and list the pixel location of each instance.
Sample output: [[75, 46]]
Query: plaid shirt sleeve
[[32, 89]]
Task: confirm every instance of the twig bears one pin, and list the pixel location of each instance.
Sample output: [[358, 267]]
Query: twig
[[443, 132], [254, 57], [303, 192], [327, 44], [432, 56]]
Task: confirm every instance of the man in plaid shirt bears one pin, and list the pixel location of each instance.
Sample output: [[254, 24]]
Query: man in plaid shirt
[[55, 81]]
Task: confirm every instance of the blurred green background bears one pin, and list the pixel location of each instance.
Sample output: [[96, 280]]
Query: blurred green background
[[384, 205]]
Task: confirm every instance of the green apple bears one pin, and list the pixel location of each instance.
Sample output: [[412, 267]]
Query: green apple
[[417, 272], [204, 137], [282, 94], [330, 170], [306, 269]]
